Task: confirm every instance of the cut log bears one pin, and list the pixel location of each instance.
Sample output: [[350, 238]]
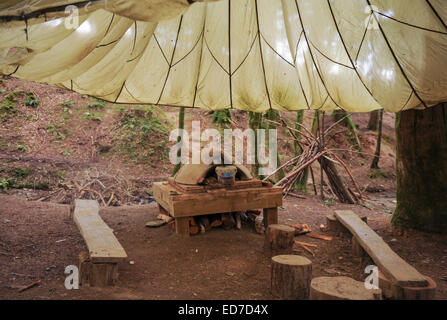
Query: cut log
[[290, 277], [341, 288], [390, 264], [279, 240]]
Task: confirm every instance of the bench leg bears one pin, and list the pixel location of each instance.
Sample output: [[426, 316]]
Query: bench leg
[[357, 249], [270, 216], [182, 226], [96, 274]]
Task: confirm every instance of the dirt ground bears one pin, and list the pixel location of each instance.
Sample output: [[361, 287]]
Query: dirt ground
[[48, 151], [40, 240]]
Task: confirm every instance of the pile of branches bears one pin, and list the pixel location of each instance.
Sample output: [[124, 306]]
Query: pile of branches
[[313, 149], [108, 187]]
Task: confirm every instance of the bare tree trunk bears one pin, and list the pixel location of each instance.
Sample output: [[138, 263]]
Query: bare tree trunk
[[340, 114], [301, 184], [274, 115], [254, 122], [375, 163], [181, 125], [373, 120], [422, 169]]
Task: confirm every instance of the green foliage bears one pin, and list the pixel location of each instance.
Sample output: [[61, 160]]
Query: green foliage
[[5, 184], [22, 148], [65, 153], [91, 116], [377, 173], [8, 108], [22, 173], [31, 100], [143, 133], [221, 118], [57, 131], [97, 105], [68, 104]]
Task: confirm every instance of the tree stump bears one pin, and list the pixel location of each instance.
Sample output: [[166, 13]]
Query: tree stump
[[290, 277], [278, 240], [341, 288]]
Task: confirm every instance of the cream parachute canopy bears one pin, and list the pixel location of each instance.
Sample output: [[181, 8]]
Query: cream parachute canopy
[[358, 55]]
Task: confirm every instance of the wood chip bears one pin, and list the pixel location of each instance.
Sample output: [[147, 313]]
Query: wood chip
[[317, 236], [306, 244], [38, 282], [307, 249]]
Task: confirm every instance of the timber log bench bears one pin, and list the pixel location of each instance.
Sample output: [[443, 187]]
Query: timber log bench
[[98, 267], [185, 201], [397, 279]]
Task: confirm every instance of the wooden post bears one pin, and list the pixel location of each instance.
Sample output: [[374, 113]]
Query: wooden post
[[341, 288], [85, 268], [182, 226], [96, 274], [278, 240], [270, 216], [357, 249], [335, 226], [290, 277]]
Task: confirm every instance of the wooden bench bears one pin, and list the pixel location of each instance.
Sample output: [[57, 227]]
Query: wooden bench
[[100, 266], [182, 204], [397, 270]]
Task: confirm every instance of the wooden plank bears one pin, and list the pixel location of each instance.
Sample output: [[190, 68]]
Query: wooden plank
[[183, 188], [101, 242], [162, 195], [225, 203], [390, 264]]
